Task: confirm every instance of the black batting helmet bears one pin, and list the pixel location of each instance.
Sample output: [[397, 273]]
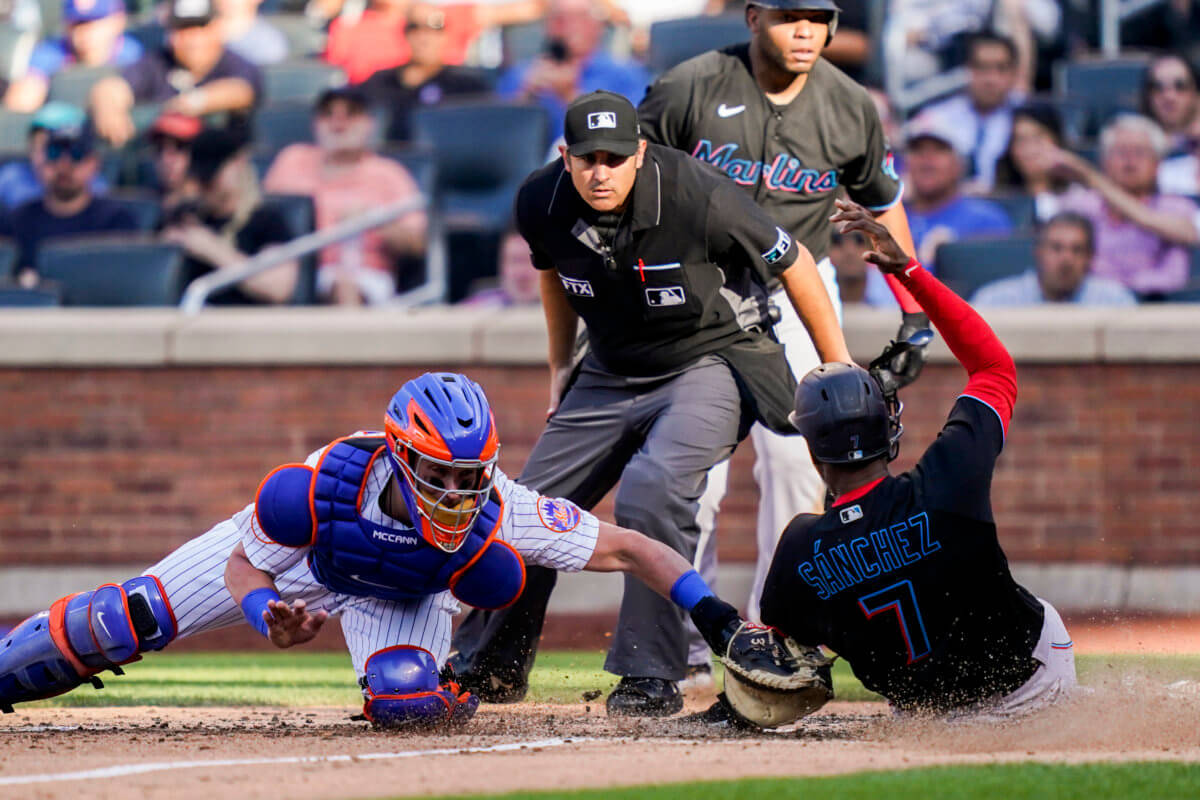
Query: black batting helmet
[[804, 5], [841, 411]]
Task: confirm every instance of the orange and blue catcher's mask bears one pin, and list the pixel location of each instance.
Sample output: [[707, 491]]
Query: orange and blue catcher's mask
[[443, 445]]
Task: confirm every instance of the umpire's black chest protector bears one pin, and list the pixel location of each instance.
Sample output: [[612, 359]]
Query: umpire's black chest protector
[[660, 292]]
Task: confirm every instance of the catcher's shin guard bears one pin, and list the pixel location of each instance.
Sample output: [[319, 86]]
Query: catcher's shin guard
[[402, 690], [81, 635]]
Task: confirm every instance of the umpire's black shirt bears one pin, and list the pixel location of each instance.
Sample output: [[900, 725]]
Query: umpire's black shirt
[[908, 582], [680, 275]]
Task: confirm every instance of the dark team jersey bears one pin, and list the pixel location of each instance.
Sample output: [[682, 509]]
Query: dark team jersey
[[791, 159], [907, 581]]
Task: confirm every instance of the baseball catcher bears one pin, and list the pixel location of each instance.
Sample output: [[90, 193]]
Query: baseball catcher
[[389, 530]]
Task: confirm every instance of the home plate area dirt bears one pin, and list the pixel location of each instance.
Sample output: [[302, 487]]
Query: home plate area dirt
[[232, 753]]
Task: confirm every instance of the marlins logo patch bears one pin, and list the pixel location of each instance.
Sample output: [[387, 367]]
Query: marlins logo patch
[[782, 244], [559, 515]]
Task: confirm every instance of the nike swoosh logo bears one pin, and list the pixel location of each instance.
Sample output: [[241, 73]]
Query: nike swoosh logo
[[729, 111], [103, 627], [371, 583]]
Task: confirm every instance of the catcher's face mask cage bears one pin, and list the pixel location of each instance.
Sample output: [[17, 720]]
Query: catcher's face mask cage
[[448, 495], [443, 446]]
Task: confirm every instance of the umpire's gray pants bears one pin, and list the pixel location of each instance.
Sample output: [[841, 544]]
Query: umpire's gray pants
[[659, 438]]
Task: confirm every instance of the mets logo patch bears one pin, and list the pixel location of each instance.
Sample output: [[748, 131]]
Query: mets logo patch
[[559, 515]]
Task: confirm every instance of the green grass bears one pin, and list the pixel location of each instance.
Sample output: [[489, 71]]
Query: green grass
[[1144, 781], [327, 679]]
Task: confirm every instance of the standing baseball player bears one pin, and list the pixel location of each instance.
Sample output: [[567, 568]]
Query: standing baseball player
[[791, 129], [904, 576], [667, 263], [386, 529]]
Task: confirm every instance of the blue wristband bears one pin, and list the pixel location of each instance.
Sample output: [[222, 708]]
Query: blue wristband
[[254, 604], [690, 589]]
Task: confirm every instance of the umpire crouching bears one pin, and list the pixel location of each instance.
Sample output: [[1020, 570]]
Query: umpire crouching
[[666, 261]]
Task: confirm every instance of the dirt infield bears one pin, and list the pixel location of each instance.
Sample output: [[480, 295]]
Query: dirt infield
[[206, 753]]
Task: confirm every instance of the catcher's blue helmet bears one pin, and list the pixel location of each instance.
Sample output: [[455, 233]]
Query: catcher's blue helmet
[[438, 426], [841, 411]]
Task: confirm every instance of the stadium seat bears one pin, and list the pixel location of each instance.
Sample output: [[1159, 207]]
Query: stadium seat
[[74, 84], [113, 270], [14, 130], [150, 35], [1184, 296], [143, 204], [1019, 207], [483, 151], [299, 81], [280, 124], [967, 265], [676, 40], [421, 162], [1103, 87], [304, 40], [45, 295], [301, 217], [8, 258]]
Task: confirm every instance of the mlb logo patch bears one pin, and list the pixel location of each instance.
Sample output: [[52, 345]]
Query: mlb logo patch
[[558, 515], [577, 287], [602, 119], [851, 514], [665, 296]]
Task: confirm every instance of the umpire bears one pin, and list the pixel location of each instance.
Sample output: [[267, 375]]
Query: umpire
[[667, 262]]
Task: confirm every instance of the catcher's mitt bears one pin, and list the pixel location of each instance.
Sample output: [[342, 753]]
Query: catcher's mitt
[[770, 680]]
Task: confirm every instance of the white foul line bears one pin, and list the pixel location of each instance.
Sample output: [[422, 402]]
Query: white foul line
[[158, 766]]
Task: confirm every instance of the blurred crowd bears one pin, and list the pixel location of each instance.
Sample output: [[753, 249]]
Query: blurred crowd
[[202, 133]]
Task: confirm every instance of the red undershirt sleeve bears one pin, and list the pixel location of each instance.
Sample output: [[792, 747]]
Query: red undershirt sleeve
[[992, 373], [908, 303]]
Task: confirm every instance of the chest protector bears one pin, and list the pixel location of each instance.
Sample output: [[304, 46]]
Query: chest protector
[[352, 555]]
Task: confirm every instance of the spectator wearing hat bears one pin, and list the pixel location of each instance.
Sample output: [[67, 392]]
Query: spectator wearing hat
[[938, 211], [365, 43], [1066, 245], [248, 34], [425, 79], [20, 179], [171, 139], [67, 206], [225, 222], [95, 37], [194, 74], [979, 119], [345, 179]]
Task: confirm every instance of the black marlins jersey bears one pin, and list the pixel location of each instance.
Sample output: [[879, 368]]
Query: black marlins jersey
[[908, 583], [791, 159]]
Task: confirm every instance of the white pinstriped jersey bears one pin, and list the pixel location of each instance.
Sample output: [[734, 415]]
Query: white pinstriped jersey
[[522, 526], [193, 576]]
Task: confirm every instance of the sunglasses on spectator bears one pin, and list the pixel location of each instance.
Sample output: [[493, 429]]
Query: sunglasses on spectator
[[1178, 85], [77, 151]]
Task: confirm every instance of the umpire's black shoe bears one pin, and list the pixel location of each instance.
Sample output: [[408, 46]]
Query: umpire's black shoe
[[645, 697]]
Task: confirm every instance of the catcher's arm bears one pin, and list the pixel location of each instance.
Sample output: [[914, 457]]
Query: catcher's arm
[[254, 590]]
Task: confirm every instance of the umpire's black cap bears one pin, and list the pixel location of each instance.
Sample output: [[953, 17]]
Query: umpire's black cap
[[601, 120], [841, 411]]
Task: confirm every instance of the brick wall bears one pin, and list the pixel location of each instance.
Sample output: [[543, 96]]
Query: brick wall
[[121, 465]]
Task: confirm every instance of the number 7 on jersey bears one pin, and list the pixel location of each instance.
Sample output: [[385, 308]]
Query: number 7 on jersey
[[901, 598]]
